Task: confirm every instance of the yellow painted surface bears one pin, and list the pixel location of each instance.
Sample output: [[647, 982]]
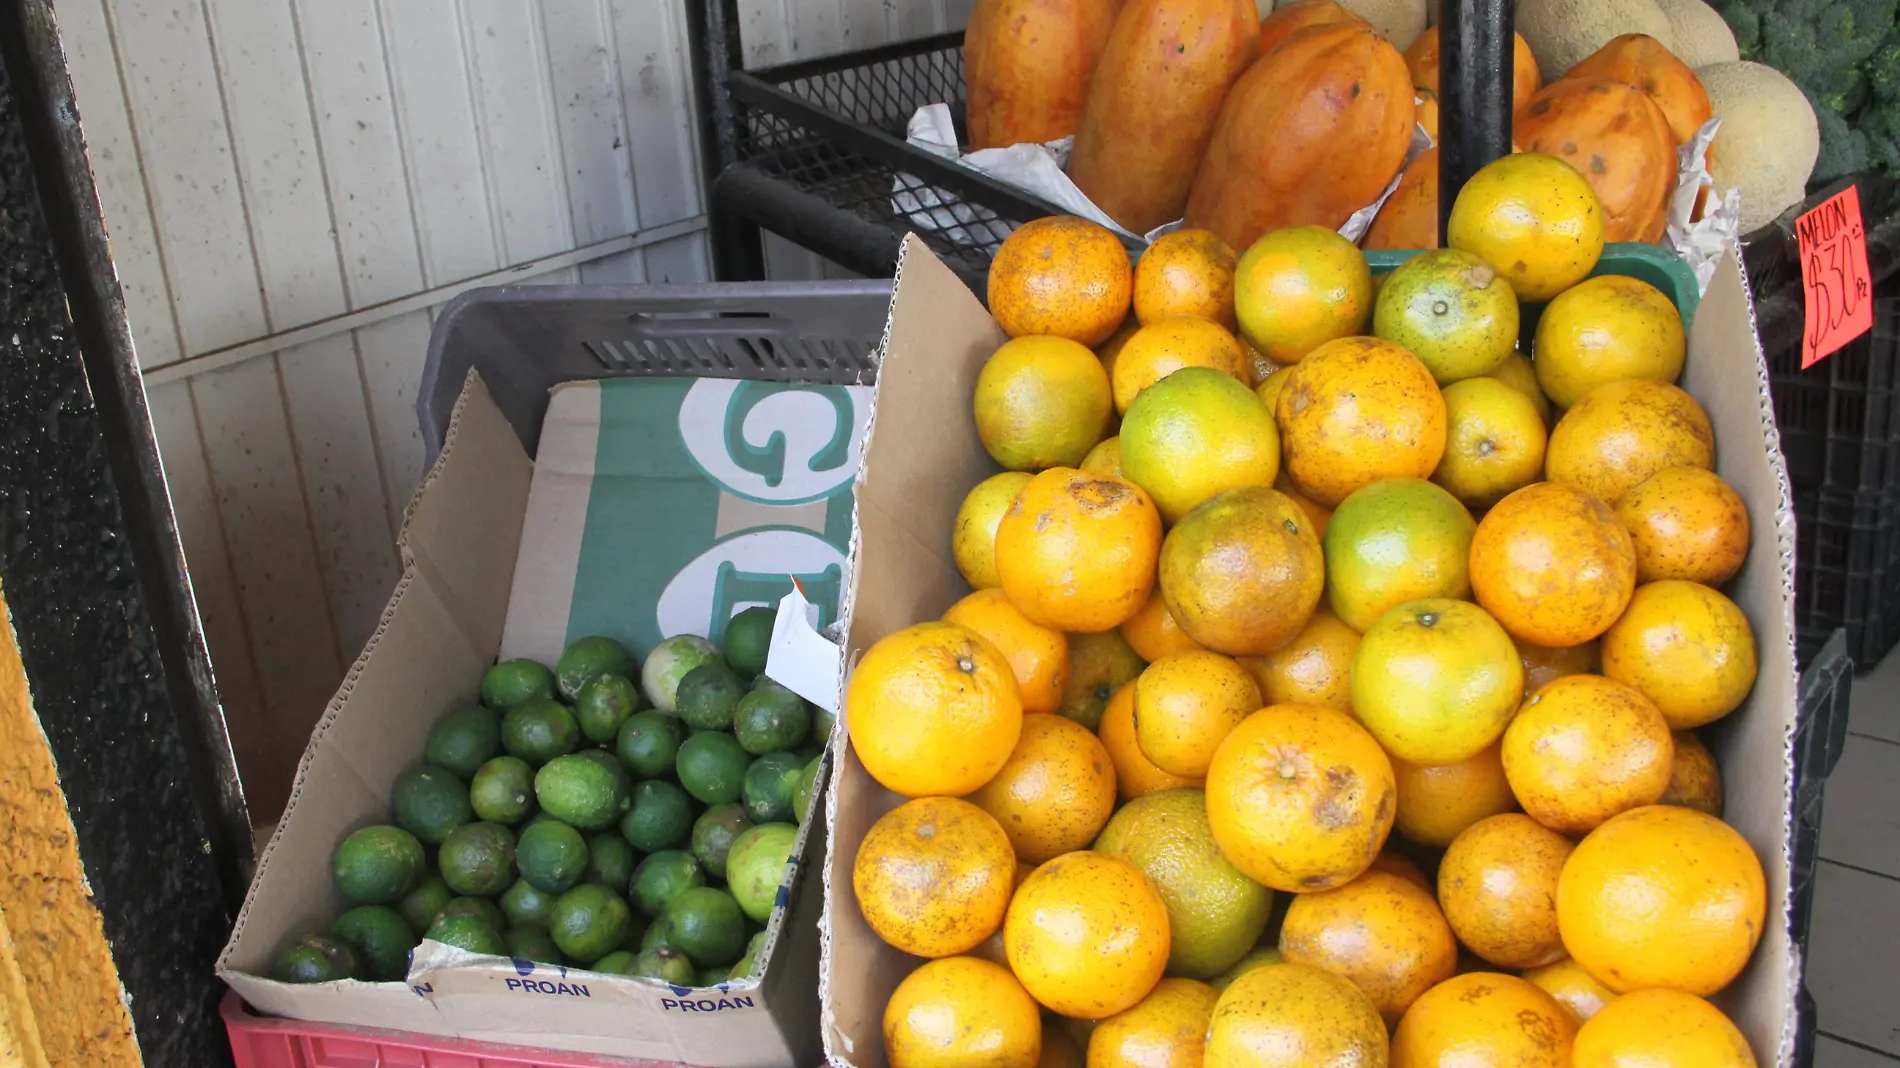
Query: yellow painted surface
[[72, 1011]]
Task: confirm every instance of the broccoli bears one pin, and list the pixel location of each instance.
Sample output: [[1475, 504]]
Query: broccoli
[[1845, 55]]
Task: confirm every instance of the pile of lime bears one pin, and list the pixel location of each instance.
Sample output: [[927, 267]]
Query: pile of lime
[[628, 818]]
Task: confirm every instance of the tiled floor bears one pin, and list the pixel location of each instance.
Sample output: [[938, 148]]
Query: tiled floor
[[1854, 935]]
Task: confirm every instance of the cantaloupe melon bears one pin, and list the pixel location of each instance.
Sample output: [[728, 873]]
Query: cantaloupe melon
[[1563, 32], [1768, 141], [1702, 36]]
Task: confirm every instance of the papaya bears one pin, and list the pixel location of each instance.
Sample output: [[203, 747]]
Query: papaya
[[1427, 115], [1027, 65], [1298, 15], [1151, 109], [1618, 138], [1641, 62], [1422, 58], [1409, 217], [1313, 132]]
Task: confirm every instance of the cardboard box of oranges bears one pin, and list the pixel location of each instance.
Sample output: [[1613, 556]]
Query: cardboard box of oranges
[[1299, 695]]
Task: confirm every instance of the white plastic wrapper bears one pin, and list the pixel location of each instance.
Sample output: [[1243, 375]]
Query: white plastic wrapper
[[1701, 242], [1037, 170]]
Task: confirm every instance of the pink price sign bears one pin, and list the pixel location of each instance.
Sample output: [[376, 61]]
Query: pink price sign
[[1840, 291]]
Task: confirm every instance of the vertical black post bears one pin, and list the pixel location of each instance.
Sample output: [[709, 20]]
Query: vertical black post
[[714, 51], [1474, 93]]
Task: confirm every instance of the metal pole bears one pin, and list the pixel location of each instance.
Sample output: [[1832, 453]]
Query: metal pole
[[1474, 93]]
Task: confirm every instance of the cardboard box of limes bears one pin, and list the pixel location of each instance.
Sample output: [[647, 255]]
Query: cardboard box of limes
[[581, 870], [923, 456]]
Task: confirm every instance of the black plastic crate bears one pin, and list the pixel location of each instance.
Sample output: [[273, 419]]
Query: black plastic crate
[[1820, 735]]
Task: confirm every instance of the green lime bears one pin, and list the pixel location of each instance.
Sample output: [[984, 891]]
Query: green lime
[[710, 977], [1214, 911], [378, 865], [748, 638], [661, 817], [747, 965], [603, 705], [755, 869], [658, 933], [429, 802], [588, 659], [424, 901], [619, 962], [315, 959], [478, 859], [587, 790], [511, 682], [503, 791], [711, 766], [526, 905], [665, 963], [610, 860], [479, 907], [464, 739], [648, 742], [771, 785], [533, 943], [636, 932], [1257, 956], [381, 939], [662, 877], [713, 835], [707, 925], [588, 922], [823, 720], [539, 729], [771, 719], [551, 856], [471, 933], [708, 695], [668, 664], [807, 786]]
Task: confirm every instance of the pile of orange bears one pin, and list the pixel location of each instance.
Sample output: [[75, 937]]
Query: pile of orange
[[1334, 573]]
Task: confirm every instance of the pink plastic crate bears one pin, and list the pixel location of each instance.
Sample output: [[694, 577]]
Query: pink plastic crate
[[267, 1042]]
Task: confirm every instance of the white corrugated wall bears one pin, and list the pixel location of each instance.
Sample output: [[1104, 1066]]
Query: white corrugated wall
[[292, 186]]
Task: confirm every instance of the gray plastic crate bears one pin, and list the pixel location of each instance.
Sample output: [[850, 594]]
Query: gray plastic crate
[[527, 339]]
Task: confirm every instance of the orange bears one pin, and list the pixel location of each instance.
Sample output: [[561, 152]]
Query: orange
[[1300, 798], [1543, 663], [1436, 803], [1041, 402], [1398, 864], [1435, 681], [1161, 348], [1060, 1050], [1294, 1016], [1269, 387], [934, 710], [1108, 350], [1063, 276], [1607, 329], [1135, 775], [991, 948], [1484, 1019], [1088, 935], [1166, 1029], [1186, 704], [961, 1011], [1187, 272], [1687, 524], [1298, 288], [1105, 458], [1355, 411], [1552, 564], [1450, 309], [1315, 668], [1153, 632], [973, 535], [1662, 896], [1038, 656], [1076, 552], [1318, 514], [1695, 780], [1381, 931], [1243, 572], [1574, 989], [933, 876], [1585, 748], [1394, 541], [1534, 218], [1195, 433], [1098, 666], [1498, 885], [1494, 442], [1660, 1029], [1621, 433], [1517, 372], [1259, 368], [1687, 648], [1055, 792]]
